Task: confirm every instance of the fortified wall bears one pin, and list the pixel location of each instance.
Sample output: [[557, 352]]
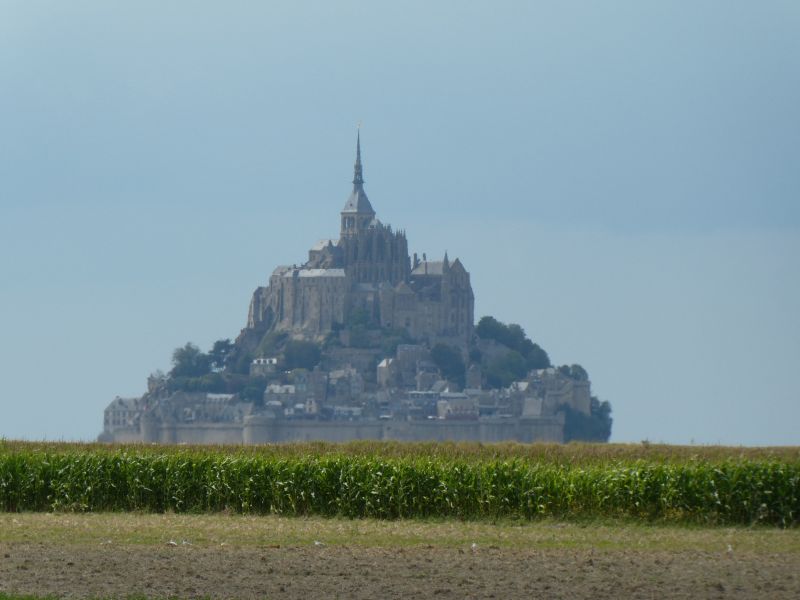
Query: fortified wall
[[258, 429]]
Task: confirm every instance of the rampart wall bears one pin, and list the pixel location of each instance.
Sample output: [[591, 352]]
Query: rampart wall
[[263, 430]]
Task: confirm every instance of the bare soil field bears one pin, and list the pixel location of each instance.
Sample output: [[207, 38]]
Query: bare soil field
[[221, 556]]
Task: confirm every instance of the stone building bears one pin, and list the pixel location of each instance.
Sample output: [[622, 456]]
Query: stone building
[[368, 269], [121, 419], [355, 295], [550, 390]]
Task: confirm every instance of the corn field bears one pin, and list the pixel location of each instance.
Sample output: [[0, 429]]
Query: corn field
[[572, 453], [451, 483]]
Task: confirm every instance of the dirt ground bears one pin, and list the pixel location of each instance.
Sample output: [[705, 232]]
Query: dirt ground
[[341, 572], [97, 557]]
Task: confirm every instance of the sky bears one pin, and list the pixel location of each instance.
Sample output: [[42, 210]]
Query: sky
[[621, 179]]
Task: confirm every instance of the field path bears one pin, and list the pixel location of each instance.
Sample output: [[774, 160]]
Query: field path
[[219, 556]]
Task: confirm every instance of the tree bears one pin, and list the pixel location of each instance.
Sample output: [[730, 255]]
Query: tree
[[299, 354], [594, 427], [450, 364], [189, 361], [490, 328], [575, 372], [254, 391], [213, 383], [219, 353], [504, 370], [537, 358], [475, 355], [513, 336], [518, 340]]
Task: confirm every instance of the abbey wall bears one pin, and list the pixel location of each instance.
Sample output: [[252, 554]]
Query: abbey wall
[[367, 270]]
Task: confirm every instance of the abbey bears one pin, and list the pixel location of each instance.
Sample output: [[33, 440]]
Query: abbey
[[366, 272], [363, 341]]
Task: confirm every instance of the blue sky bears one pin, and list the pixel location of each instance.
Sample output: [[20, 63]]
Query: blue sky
[[622, 179]]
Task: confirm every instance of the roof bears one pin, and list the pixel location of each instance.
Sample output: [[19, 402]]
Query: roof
[[276, 388], [345, 372], [519, 386], [124, 403], [440, 386], [322, 244], [281, 270], [315, 273], [358, 202], [454, 396], [429, 267], [402, 288]]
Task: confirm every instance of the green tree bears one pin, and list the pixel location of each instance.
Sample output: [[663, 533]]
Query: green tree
[[513, 336], [299, 354], [490, 328], [189, 361], [504, 370], [450, 363], [239, 362], [219, 353], [475, 355], [576, 372], [254, 391], [517, 339], [537, 358], [594, 427]]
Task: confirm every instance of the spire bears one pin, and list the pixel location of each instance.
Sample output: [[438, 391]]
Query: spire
[[358, 178], [357, 213]]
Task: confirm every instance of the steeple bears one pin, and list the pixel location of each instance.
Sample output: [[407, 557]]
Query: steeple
[[358, 176], [357, 213]]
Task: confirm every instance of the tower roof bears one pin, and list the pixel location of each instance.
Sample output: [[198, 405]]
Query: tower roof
[[358, 201]]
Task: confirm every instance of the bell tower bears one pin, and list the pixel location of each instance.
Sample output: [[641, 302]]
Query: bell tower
[[357, 213]]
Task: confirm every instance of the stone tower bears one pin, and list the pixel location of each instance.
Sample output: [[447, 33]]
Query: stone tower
[[371, 252], [367, 269], [357, 213]]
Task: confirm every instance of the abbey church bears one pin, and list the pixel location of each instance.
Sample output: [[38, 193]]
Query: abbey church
[[367, 270], [363, 341]]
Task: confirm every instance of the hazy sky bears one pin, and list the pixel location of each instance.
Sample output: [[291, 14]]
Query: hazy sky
[[620, 178]]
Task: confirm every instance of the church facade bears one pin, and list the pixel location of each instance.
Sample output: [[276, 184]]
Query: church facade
[[368, 271]]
